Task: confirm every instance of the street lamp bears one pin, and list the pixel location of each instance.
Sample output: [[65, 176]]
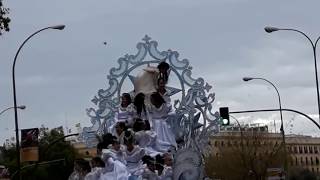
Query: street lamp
[[270, 29], [57, 27], [280, 109], [19, 107]]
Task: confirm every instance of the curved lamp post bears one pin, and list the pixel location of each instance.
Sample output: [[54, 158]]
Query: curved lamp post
[[280, 109], [19, 107], [270, 29], [241, 133], [58, 27]]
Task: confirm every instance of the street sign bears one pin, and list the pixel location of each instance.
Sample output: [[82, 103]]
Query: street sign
[[29, 145]]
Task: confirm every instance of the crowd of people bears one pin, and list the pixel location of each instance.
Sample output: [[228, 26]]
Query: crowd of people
[[140, 143]]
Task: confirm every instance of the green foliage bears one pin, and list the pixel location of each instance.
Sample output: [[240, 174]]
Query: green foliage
[[4, 19], [52, 146]]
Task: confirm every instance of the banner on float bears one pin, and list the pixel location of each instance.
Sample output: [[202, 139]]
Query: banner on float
[[29, 145]]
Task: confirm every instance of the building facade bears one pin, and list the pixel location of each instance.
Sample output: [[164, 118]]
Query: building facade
[[303, 151]]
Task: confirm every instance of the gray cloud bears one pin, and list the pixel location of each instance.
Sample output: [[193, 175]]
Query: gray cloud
[[58, 72]]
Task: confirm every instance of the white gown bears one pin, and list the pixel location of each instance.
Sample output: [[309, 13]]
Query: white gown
[[134, 160], [123, 114], [114, 169], [119, 155], [147, 141], [165, 137], [94, 174]]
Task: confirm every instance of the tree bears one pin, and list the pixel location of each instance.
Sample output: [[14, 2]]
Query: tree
[[247, 156], [47, 152], [4, 19]]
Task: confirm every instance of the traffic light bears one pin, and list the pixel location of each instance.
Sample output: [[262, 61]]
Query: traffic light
[[224, 114]]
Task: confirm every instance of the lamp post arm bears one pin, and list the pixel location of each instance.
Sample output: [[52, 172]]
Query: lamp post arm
[[279, 99], [304, 34], [267, 110], [5, 110], [20, 47]]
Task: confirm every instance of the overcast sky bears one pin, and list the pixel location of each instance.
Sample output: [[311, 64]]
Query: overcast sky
[[59, 72]]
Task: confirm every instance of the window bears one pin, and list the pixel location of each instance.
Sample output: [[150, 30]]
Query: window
[[216, 143], [222, 143], [310, 149], [300, 149], [307, 162], [315, 149], [301, 160], [296, 161], [305, 148], [295, 149], [317, 161], [311, 160]]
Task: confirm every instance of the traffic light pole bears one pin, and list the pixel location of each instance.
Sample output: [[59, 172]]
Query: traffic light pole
[[268, 110]]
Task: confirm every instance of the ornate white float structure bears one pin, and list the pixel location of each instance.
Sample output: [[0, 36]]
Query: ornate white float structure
[[193, 123]]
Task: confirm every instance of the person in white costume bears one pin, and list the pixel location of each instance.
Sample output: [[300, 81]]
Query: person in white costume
[[161, 89], [118, 150], [145, 138], [134, 155], [114, 169], [119, 131], [124, 112], [149, 172], [97, 166], [146, 81], [160, 112]]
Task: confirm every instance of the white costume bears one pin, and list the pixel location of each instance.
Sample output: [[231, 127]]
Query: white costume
[[147, 141], [94, 174], [119, 155], [165, 137], [134, 160], [124, 114], [114, 169]]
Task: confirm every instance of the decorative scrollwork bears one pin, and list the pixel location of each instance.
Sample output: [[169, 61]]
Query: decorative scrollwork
[[193, 122]]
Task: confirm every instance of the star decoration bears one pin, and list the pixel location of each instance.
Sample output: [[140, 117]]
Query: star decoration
[[146, 39]]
